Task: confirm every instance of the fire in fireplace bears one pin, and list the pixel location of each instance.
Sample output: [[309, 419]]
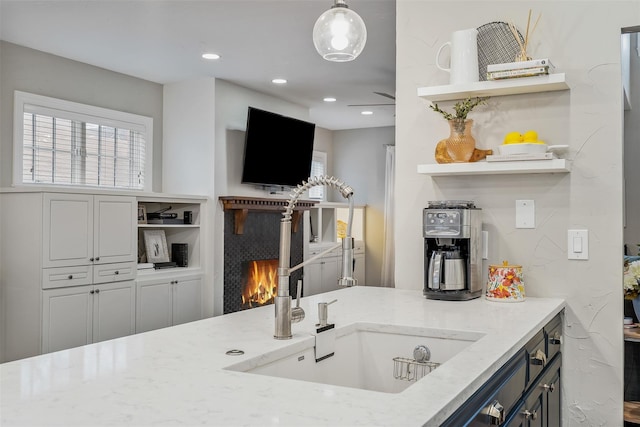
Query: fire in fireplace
[[259, 282]]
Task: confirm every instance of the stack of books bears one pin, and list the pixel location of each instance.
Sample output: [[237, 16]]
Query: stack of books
[[510, 70], [163, 218], [520, 157]]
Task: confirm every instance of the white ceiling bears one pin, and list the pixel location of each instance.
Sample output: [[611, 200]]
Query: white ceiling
[[162, 41]]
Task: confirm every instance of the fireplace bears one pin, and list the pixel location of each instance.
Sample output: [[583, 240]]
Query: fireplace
[[259, 282], [252, 247]]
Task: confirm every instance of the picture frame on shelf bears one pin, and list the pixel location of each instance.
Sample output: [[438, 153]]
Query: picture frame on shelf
[[155, 243], [142, 214]]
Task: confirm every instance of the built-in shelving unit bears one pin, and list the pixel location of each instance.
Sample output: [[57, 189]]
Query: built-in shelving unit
[[548, 83], [179, 232], [496, 168]]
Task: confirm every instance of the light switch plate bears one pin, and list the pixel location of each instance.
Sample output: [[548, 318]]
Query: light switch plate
[[578, 244], [525, 214]]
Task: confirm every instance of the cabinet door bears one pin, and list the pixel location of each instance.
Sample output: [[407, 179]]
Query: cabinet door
[[358, 269], [114, 306], [154, 305], [66, 319], [67, 229], [312, 284], [330, 273], [115, 229], [187, 300], [553, 400]]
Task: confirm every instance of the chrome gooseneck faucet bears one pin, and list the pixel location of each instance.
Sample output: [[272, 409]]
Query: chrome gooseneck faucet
[[285, 315]]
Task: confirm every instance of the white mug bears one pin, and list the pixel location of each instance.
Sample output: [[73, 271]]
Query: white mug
[[464, 57]]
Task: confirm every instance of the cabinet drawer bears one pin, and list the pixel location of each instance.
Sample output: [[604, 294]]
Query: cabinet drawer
[[553, 336], [495, 400], [116, 272], [62, 277], [536, 356]]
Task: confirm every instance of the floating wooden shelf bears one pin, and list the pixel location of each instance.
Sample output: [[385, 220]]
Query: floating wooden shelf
[[632, 412], [548, 83], [242, 205]]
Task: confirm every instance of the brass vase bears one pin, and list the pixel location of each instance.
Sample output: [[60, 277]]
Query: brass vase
[[460, 144]]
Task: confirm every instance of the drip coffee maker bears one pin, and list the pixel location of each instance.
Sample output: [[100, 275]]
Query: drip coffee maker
[[452, 231]]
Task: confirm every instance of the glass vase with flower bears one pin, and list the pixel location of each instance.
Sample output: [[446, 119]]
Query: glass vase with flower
[[460, 145]]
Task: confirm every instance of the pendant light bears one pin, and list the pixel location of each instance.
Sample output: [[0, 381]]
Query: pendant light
[[339, 34]]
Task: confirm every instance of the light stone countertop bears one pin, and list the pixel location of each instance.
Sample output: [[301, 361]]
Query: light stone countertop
[[176, 376]]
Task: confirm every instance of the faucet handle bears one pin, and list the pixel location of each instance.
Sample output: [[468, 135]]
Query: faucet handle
[[297, 313]]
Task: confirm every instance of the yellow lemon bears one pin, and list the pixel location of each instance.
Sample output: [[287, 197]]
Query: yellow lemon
[[530, 136], [513, 138]]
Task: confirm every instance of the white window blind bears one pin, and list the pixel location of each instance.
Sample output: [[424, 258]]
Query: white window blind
[[318, 168], [64, 143]]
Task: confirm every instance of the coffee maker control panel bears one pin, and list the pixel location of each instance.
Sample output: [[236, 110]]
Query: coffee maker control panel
[[442, 222]]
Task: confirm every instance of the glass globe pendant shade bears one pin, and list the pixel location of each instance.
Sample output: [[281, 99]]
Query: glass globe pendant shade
[[339, 34]]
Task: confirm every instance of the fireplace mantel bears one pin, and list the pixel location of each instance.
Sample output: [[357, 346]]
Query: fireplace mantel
[[241, 206]]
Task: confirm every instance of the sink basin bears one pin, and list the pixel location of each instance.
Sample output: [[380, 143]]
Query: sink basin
[[364, 356]]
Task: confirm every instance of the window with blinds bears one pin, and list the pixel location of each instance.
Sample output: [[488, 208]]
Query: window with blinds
[[64, 143], [318, 168]]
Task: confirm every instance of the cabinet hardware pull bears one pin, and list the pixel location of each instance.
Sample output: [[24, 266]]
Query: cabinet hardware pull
[[91, 292], [70, 277], [556, 339], [533, 415], [539, 358], [97, 291], [549, 387], [495, 413], [91, 259], [97, 258], [117, 272]]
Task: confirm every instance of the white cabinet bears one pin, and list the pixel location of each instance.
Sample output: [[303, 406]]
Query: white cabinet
[[324, 226], [167, 301], [86, 229], [79, 315], [322, 274], [56, 249], [359, 266]]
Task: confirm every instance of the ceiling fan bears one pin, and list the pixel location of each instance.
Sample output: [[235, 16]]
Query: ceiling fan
[[386, 95]]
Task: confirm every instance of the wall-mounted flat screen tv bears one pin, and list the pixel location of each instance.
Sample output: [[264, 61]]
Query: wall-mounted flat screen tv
[[277, 149]]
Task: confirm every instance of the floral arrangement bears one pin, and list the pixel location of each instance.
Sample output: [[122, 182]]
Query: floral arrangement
[[631, 281], [461, 108]]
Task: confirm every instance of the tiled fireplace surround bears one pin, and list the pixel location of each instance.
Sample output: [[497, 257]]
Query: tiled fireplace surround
[[251, 233]]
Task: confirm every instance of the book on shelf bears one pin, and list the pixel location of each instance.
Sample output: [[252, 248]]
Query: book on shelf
[[145, 266], [166, 221], [167, 264], [520, 157], [545, 62], [525, 72]]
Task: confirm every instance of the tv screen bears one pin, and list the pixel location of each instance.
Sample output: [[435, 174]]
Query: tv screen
[[277, 149]]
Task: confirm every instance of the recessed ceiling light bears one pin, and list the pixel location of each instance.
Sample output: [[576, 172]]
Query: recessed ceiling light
[[329, 99], [366, 113], [210, 56], [279, 81]]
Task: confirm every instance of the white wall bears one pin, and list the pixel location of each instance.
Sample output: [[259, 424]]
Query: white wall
[[359, 160], [583, 40], [41, 73], [632, 155], [188, 159]]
